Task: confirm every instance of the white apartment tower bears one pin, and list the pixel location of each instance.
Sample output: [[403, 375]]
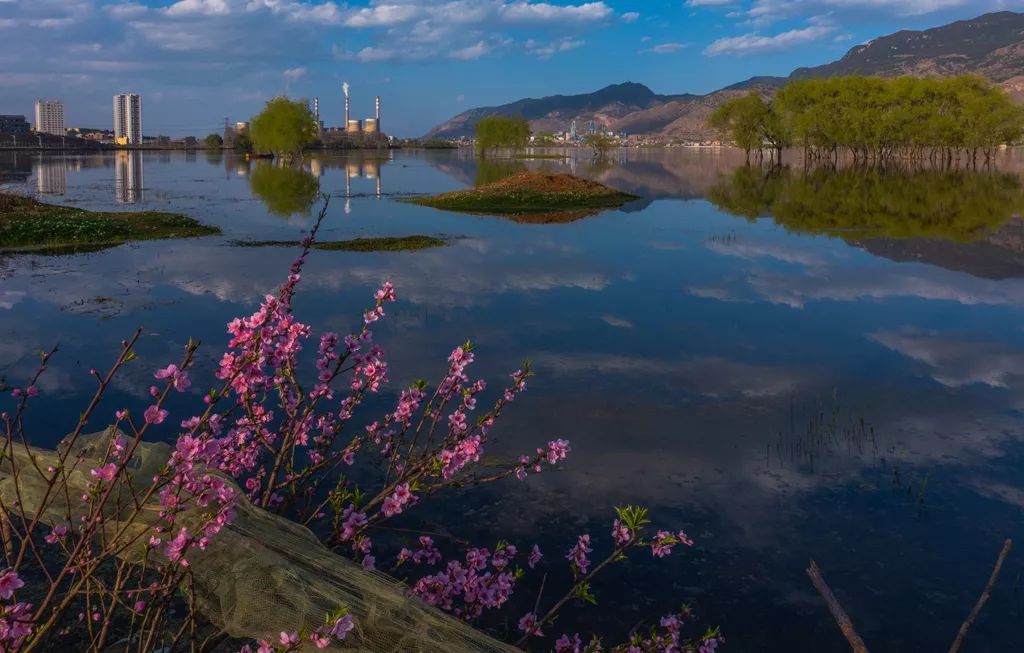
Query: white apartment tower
[[128, 119], [50, 117]]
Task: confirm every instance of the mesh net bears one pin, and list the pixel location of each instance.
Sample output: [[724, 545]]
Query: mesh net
[[262, 574]]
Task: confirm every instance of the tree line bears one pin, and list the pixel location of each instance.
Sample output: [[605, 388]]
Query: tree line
[[875, 119]]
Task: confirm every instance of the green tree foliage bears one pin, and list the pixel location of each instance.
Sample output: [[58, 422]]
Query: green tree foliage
[[285, 190], [914, 117], [544, 139], [500, 132], [751, 123], [243, 143], [875, 118], [283, 127], [214, 141], [860, 202], [600, 143]]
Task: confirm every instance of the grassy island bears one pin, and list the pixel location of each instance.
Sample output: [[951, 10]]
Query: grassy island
[[27, 225], [381, 244], [532, 197]]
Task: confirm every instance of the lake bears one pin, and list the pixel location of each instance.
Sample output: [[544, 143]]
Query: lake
[[786, 364]]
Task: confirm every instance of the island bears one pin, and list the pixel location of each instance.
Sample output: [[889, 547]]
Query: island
[[30, 226]]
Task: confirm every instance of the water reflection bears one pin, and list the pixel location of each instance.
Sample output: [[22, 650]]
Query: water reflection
[[128, 184], [51, 175], [685, 352], [286, 190], [856, 203]]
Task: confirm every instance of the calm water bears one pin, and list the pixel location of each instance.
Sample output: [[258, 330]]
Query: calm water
[[844, 381]]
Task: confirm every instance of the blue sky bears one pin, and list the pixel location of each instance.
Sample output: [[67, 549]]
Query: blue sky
[[198, 61]]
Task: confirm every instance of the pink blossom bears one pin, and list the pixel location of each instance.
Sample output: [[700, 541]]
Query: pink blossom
[[528, 624], [155, 415], [578, 554], [9, 583], [289, 639], [105, 473], [179, 378], [620, 533], [58, 533], [535, 556], [565, 644], [342, 627]]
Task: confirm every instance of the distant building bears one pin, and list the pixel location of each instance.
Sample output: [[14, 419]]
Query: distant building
[[50, 117], [128, 119], [14, 125]]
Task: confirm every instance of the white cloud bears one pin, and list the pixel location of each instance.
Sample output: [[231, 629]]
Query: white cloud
[[664, 48], [530, 12], [630, 17], [547, 50], [708, 3], [384, 15], [755, 43], [470, 52], [294, 74], [199, 7]]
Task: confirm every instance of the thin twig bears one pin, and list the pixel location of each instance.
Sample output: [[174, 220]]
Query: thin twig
[[842, 619], [958, 642]]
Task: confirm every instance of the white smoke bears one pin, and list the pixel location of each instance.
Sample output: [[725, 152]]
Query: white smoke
[[344, 88]]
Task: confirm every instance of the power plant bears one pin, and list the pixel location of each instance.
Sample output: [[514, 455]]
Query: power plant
[[354, 127]]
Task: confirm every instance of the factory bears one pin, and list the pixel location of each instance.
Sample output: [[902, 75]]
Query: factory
[[352, 130]]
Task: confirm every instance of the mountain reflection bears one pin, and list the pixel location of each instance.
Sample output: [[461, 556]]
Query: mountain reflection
[[857, 203]]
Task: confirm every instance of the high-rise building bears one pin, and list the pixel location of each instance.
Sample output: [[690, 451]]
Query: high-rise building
[[13, 125], [128, 119], [50, 117]]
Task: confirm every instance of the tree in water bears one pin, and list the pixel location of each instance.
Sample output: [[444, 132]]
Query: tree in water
[[751, 123], [284, 127], [501, 132]]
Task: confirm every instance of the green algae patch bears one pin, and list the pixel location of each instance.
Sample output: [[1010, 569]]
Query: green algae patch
[[382, 244], [29, 226], [532, 197]]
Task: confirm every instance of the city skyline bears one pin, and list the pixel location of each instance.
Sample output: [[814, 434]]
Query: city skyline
[[199, 61]]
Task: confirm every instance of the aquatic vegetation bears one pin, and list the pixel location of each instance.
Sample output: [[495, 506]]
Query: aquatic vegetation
[[120, 530], [27, 225], [530, 196], [379, 244]]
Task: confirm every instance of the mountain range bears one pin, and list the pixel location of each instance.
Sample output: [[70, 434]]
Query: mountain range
[[991, 45]]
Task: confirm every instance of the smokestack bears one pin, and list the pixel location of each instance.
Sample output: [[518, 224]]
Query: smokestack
[[316, 111], [378, 111], [344, 89]]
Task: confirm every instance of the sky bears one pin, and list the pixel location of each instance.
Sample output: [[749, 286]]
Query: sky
[[197, 62]]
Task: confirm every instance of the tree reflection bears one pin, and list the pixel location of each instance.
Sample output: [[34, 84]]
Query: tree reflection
[[852, 203], [285, 190]]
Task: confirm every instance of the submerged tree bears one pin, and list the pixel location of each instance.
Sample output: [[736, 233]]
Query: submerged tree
[[498, 132], [599, 143], [751, 123], [284, 127]]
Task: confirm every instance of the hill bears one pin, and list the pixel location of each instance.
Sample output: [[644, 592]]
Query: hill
[[991, 45]]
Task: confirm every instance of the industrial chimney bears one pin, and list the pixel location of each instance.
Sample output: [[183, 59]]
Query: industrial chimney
[[344, 89], [378, 110], [316, 112]]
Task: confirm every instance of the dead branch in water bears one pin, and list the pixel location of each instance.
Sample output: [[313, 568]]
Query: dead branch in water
[[958, 642], [842, 619], [846, 625]]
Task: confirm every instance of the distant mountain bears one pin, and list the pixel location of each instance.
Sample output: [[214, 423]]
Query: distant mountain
[[555, 112], [991, 45]]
